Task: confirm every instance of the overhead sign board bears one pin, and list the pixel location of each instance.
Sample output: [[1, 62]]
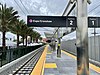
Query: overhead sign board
[[71, 21], [60, 21], [94, 22], [46, 21], [51, 21]]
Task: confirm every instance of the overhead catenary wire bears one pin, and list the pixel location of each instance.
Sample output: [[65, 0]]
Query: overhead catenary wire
[[94, 8], [95, 3], [19, 7], [98, 12], [24, 6]]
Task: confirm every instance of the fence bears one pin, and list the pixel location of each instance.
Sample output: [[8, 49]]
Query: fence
[[9, 55], [94, 48], [11, 67]]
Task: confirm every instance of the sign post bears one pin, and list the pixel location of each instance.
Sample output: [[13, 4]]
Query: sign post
[[82, 38]]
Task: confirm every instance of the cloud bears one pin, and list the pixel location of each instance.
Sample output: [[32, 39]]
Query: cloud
[[37, 7], [94, 7], [48, 7]]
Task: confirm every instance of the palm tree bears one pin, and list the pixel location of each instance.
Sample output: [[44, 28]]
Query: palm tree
[[16, 29], [36, 36], [23, 31], [8, 16], [28, 33], [31, 34], [20, 29], [40, 38]]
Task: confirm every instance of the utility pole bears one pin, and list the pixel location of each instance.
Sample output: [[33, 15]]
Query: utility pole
[[82, 38], [59, 42]]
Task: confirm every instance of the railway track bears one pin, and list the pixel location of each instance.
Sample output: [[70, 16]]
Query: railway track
[[29, 65]]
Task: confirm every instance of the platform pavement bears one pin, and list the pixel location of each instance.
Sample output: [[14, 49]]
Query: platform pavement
[[65, 65]]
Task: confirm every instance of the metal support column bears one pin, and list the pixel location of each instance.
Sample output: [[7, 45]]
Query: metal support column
[[82, 38], [59, 50], [59, 41]]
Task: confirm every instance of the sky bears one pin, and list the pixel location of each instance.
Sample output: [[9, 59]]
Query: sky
[[37, 7], [48, 7]]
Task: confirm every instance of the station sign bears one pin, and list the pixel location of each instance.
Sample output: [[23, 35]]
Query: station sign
[[46, 21], [51, 21], [93, 22], [71, 21], [60, 21]]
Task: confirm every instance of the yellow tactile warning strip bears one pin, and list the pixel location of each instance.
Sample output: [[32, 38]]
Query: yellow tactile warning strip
[[69, 54], [49, 52], [43, 67], [93, 67], [39, 68], [50, 65]]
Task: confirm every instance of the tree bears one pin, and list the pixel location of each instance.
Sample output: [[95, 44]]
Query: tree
[[20, 28], [8, 16], [40, 38], [16, 29], [23, 30], [36, 36], [28, 33]]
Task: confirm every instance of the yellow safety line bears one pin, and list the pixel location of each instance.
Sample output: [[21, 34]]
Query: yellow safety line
[[44, 62], [93, 67], [49, 53], [50, 65], [69, 54], [39, 68], [43, 67]]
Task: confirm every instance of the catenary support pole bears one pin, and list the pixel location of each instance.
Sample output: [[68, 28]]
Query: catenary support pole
[[59, 41], [82, 38]]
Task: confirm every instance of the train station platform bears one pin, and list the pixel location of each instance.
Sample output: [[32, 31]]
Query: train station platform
[[50, 64], [44, 61]]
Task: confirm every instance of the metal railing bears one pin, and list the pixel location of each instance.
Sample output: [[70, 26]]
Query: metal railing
[[8, 55], [13, 66]]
